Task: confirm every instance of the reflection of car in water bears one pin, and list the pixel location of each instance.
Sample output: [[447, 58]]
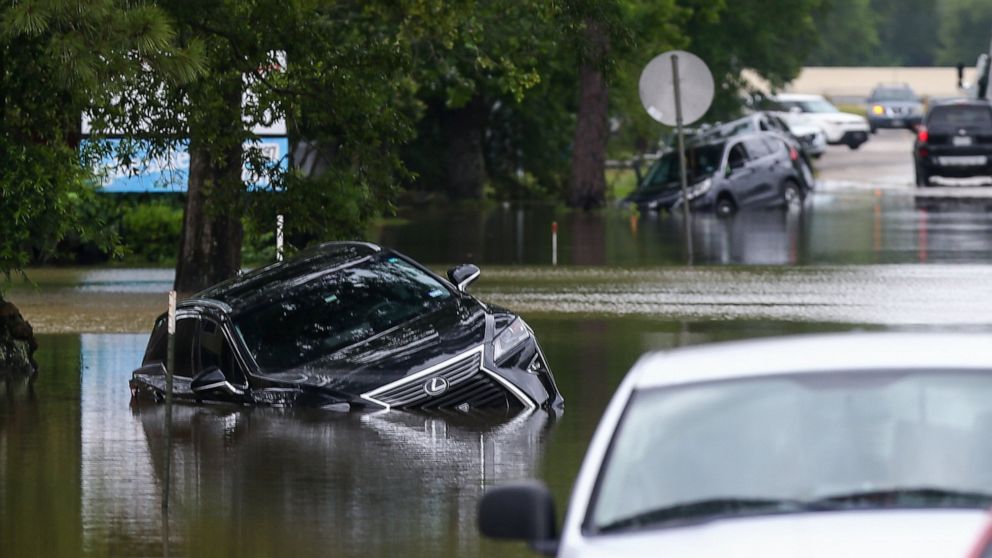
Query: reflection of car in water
[[337, 480], [347, 325], [725, 174], [843, 445], [954, 141]]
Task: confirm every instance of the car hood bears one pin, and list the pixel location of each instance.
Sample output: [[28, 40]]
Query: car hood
[[403, 350], [921, 533]]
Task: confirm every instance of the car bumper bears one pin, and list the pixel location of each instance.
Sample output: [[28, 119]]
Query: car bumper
[[957, 164], [907, 121]]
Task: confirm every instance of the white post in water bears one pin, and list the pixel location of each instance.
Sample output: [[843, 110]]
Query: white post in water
[[554, 243], [171, 356], [170, 364], [685, 182], [278, 238]]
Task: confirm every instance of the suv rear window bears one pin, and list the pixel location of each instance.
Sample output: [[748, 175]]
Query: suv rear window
[[961, 116]]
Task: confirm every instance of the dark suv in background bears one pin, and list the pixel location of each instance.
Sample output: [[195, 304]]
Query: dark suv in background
[[954, 141], [894, 106]]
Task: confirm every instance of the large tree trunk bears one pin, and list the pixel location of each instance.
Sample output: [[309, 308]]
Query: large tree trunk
[[210, 245], [464, 160], [588, 178]]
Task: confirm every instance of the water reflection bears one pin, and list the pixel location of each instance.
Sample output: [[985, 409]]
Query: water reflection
[[352, 481], [260, 482], [834, 228]]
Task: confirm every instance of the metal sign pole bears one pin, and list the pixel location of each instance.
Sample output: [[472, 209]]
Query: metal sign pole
[[685, 182]]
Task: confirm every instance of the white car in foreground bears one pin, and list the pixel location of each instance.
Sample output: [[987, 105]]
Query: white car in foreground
[[839, 127], [844, 445]]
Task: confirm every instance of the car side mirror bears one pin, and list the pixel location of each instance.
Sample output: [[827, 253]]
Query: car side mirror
[[213, 380], [462, 276], [523, 511], [727, 171]]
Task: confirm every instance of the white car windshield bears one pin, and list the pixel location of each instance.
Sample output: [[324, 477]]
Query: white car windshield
[[798, 443], [812, 105]]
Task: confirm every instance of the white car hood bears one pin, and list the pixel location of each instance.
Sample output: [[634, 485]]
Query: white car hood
[[903, 533]]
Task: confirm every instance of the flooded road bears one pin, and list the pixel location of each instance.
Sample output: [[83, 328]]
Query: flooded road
[[84, 472]]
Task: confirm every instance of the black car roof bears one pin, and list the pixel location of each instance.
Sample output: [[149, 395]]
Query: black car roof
[[960, 102], [242, 291]]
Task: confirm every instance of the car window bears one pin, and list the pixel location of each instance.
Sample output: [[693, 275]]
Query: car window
[[797, 438], [756, 148], [702, 161], [737, 156], [811, 105], [960, 116], [892, 94], [775, 145], [215, 351], [337, 310], [778, 124]]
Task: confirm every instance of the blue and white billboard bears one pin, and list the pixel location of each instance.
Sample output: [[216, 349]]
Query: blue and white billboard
[[171, 173]]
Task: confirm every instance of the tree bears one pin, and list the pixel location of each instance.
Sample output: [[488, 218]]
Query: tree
[[339, 74], [849, 34], [906, 32], [965, 31], [56, 61], [493, 57]]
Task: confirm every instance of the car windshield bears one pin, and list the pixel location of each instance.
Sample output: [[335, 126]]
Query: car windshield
[[881, 95], [798, 443], [811, 105], [962, 116], [701, 161], [339, 309]]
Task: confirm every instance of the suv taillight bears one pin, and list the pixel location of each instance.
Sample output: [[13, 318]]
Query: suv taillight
[[922, 135], [793, 154]]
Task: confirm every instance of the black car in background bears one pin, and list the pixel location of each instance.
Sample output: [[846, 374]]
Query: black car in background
[[955, 141], [349, 325], [724, 174], [894, 106]]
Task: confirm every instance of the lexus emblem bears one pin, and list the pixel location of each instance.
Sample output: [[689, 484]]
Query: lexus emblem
[[435, 386]]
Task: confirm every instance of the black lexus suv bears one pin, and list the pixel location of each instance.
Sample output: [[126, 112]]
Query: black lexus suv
[[954, 141]]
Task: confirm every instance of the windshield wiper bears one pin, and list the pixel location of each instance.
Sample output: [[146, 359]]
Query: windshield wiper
[[924, 496], [716, 508]]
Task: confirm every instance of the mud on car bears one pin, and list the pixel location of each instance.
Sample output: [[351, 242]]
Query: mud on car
[[349, 325]]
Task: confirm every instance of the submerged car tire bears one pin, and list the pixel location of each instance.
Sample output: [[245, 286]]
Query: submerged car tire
[[792, 194], [725, 206]]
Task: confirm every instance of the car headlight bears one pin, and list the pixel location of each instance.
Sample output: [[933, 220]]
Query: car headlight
[[700, 188], [508, 339], [878, 110]]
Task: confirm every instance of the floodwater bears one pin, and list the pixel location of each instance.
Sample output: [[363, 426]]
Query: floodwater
[[85, 472]]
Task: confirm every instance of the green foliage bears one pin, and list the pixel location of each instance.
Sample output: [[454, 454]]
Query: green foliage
[[849, 34], [150, 231], [965, 30], [57, 59]]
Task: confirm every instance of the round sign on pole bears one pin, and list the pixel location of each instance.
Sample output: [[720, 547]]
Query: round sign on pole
[[657, 87]]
